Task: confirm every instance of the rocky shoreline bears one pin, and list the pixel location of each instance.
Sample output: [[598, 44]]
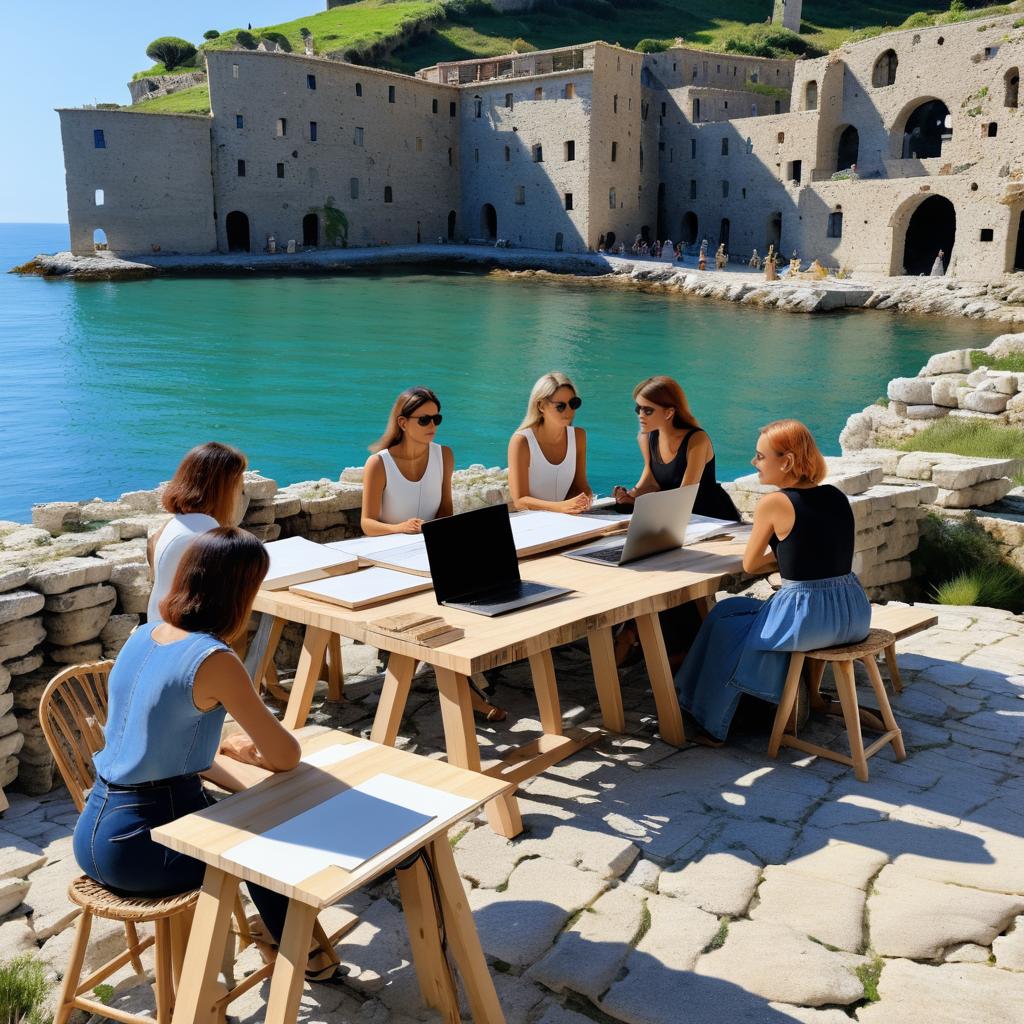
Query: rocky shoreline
[[1002, 302]]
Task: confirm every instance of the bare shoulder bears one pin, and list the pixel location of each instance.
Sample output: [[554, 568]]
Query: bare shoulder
[[517, 441], [447, 455], [581, 435], [773, 503]]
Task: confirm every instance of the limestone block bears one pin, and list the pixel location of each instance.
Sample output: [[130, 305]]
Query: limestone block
[[67, 573], [117, 630], [285, 505], [5, 678], [52, 911], [1005, 345], [917, 465], [16, 939], [1007, 949], [910, 390], [886, 573], [19, 604], [106, 940], [18, 857], [82, 597], [319, 521], [76, 654], [12, 892], [26, 538], [133, 584], [920, 918], [1014, 412], [258, 514], [100, 511], [12, 577], [79, 545], [265, 533], [8, 720], [485, 859], [11, 744], [926, 412], [985, 493], [29, 688], [1006, 383], [956, 472], [142, 501], [967, 953], [944, 391], [354, 475], [35, 778], [55, 516], [606, 855], [259, 487], [978, 376], [1006, 530], [898, 409], [957, 361], [721, 882], [131, 549], [18, 638], [67, 628], [984, 401], [8, 771]]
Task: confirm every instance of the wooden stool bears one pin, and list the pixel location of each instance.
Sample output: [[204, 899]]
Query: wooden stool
[[170, 921], [842, 659]]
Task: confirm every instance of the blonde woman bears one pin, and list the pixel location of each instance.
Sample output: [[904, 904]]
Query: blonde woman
[[408, 479], [547, 455]]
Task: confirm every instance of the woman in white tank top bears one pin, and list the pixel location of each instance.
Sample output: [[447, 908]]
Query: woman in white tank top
[[547, 456], [408, 479]]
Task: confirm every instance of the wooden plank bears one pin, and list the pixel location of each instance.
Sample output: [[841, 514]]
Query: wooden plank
[[534, 757], [670, 718], [335, 669], [394, 696], [902, 620], [300, 700], [606, 679], [290, 966], [542, 668]]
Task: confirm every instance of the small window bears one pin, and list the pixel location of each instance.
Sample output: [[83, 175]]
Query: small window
[[391, 94], [508, 101], [693, 149], [781, 137], [725, 104], [570, 90], [612, 201], [312, 131], [615, 151], [449, 156], [778, 106], [99, 197], [663, 109], [239, 121], [478, 107], [358, 139], [987, 235], [570, 149], [433, 106], [419, 145], [99, 140], [993, 128], [280, 170], [234, 70], [693, 188], [520, 195], [884, 72], [359, 88], [615, 104], [629, 103], [538, 154], [508, 154], [476, 156], [538, 93], [241, 168], [725, 147], [451, 109], [282, 127], [835, 225], [388, 194], [725, 190], [559, 241], [353, 187], [310, 81], [568, 200]]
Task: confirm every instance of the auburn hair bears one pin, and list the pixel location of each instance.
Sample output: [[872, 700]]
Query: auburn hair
[[669, 394], [216, 582], [791, 437], [405, 405], [205, 481], [542, 392]]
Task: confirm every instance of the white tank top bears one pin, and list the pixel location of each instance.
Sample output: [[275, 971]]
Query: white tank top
[[549, 482], [177, 535], [412, 499]]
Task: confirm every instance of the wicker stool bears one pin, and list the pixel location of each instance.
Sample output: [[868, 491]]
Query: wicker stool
[[170, 922], [842, 659]]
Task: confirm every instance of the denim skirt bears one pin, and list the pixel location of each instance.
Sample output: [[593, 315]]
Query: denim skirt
[[744, 645]]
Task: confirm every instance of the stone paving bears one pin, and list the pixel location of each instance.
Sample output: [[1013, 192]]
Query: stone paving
[[658, 886]]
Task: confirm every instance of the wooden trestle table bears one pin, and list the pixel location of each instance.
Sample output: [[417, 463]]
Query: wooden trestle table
[[603, 596], [208, 834]]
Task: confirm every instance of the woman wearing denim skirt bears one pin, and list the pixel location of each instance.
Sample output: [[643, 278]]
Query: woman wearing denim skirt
[[743, 646]]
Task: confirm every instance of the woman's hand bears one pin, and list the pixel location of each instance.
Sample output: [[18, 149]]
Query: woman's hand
[[410, 526], [240, 748], [574, 506], [622, 496]]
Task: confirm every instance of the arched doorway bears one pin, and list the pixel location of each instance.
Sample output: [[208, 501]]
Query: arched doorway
[[773, 232], [931, 228], [311, 229], [847, 148], [689, 228], [723, 233], [1016, 262], [609, 241], [662, 223], [99, 239], [645, 233], [489, 222], [237, 226], [559, 241], [451, 225], [884, 72], [1011, 87], [927, 128], [811, 96]]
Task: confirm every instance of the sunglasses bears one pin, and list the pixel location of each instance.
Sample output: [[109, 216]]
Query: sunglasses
[[647, 410], [424, 421], [573, 403]]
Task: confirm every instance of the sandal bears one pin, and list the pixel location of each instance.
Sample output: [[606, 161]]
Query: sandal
[[267, 948]]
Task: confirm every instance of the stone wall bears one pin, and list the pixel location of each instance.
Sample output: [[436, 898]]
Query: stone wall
[[151, 86]]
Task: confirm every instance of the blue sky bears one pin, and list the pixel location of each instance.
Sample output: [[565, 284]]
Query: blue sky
[[66, 53]]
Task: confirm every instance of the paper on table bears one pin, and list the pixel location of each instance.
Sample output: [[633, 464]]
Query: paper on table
[[346, 830], [403, 551], [535, 528], [364, 545], [296, 560], [365, 587], [705, 527], [337, 752]]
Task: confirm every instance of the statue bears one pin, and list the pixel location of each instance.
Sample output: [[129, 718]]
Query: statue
[[938, 270], [721, 257], [794, 263], [771, 265], [755, 261], [668, 250], [702, 259]]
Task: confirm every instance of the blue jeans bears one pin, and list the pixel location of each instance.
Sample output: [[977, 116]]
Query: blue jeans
[[112, 843]]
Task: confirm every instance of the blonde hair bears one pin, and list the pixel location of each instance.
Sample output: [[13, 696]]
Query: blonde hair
[[791, 437], [541, 392], [405, 405]]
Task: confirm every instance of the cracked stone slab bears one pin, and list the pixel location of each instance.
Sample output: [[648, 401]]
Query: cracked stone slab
[[607, 855], [1009, 949], [918, 918], [19, 857], [848, 863], [779, 965], [485, 859], [720, 882]]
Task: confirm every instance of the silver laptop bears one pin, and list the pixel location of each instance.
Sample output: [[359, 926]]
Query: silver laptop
[[658, 524]]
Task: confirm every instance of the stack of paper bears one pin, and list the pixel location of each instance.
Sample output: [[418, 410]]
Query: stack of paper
[[403, 551], [297, 560], [364, 588], [704, 528]]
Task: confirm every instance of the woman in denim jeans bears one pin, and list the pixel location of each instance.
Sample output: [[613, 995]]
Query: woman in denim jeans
[[169, 691]]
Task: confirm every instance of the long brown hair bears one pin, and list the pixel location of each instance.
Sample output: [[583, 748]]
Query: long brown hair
[[791, 437], [668, 393], [216, 582], [205, 481], [405, 405]]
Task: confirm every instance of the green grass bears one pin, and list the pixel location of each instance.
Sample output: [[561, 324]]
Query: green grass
[[1013, 362], [23, 989], [195, 100], [980, 438], [998, 585], [869, 975]]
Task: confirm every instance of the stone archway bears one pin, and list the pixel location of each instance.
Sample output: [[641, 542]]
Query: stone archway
[[489, 222], [451, 225], [99, 239], [690, 226], [1015, 242], [922, 130], [773, 232], [237, 226], [311, 230], [847, 148], [921, 228]]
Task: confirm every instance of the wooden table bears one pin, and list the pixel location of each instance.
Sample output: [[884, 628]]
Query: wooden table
[[207, 834], [603, 596]]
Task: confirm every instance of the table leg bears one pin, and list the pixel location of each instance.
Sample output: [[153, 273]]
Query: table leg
[[704, 605], [463, 750], [394, 696], [463, 938], [670, 718], [312, 657], [542, 668], [260, 658], [335, 669], [290, 966], [200, 991], [606, 679], [424, 928]]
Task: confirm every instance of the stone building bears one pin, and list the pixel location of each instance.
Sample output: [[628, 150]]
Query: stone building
[[875, 157]]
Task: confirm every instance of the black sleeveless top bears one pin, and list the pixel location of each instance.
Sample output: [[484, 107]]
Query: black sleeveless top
[[712, 499], [820, 545]]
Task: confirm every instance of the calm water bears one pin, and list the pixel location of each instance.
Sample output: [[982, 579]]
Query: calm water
[[104, 386]]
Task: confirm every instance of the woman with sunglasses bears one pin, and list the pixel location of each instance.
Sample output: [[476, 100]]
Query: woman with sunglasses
[[408, 479], [547, 456]]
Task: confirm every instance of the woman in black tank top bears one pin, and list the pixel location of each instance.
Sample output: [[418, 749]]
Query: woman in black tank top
[[743, 646]]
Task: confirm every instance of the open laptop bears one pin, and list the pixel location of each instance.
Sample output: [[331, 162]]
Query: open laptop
[[473, 563], [658, 524]]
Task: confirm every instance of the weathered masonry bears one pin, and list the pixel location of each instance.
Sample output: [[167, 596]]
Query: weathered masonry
[[875, 157]]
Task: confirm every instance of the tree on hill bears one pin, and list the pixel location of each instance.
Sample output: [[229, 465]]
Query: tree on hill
[[211, 33], [171, 51]]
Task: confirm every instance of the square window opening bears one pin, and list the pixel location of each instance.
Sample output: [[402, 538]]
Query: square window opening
[[568, 200], [310, 81]]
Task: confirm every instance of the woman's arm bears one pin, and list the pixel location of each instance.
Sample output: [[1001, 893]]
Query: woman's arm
[[447, 468], [151, 544], [698, 454], [770, 517], [374, 479], [519, 483], [646, 483], [222, 679], [579, 486]]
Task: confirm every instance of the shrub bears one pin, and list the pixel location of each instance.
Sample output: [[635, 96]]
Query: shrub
[[520, 45], [994, 586], [170, 51], [277, 37], [246, 39], [653, 45], [768, 41], [23, 990], [977, 438], [1013, 362], [919, 20], [957, 7], [304, 32], [211, 33]]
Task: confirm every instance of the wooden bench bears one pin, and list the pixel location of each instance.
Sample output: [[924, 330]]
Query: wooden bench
[[901, 621]]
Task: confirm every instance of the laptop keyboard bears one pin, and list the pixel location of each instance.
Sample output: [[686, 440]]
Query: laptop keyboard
[[503, 594], [608, 554]]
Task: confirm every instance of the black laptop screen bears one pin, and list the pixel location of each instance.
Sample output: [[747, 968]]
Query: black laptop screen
[[471, 552]]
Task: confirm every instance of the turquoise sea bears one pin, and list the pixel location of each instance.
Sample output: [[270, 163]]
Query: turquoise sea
[[104, 386]]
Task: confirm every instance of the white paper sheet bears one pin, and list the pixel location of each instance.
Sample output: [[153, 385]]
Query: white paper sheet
[[294, 556], [398, 550], [337, 752], [365, 587], [704, 527], [347, 830], [364, 545], [532, 529]]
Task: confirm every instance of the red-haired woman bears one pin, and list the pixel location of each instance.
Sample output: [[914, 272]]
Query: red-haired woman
[[205, 492], [743, 646]]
